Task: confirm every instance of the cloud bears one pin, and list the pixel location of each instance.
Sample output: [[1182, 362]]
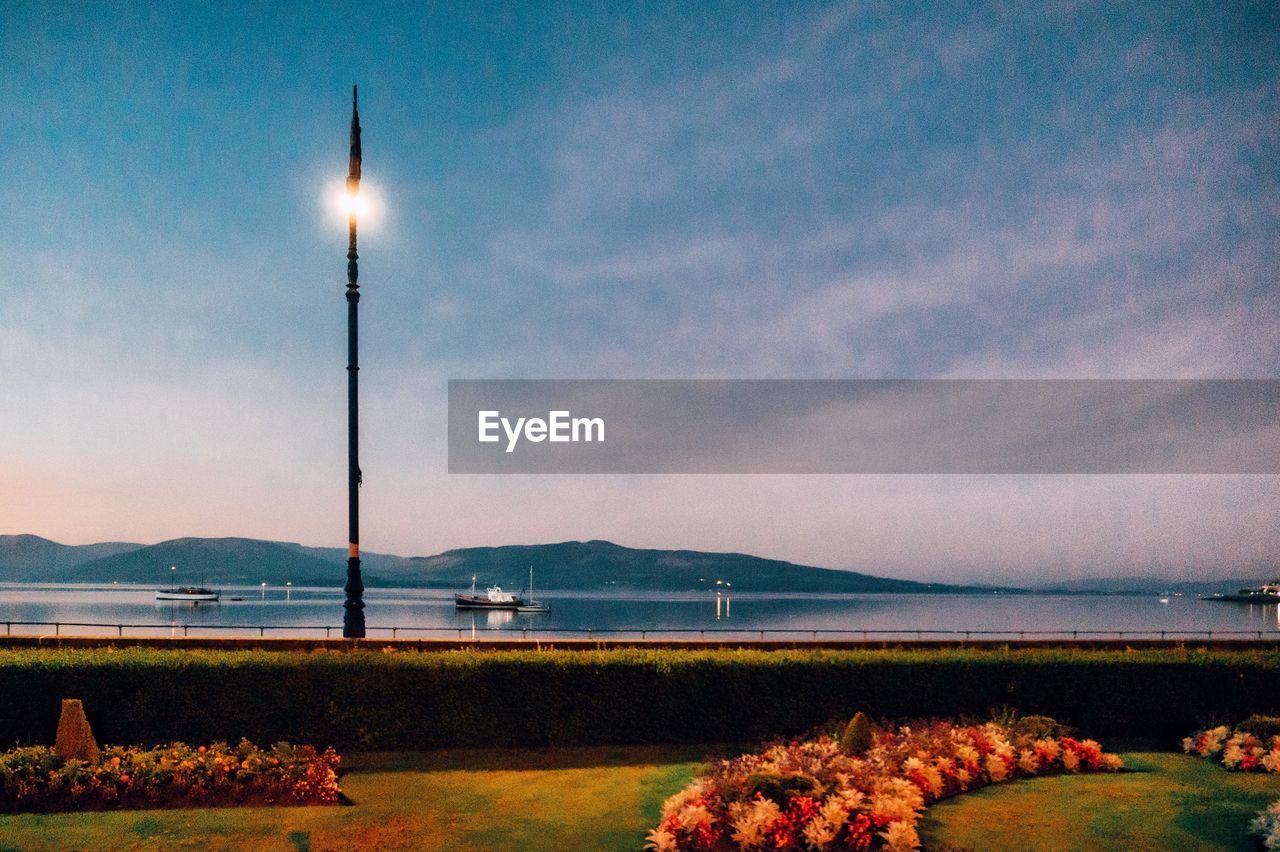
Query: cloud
[[856, 190]]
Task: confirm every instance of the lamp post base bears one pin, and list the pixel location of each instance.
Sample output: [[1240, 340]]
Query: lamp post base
[[353, 609]]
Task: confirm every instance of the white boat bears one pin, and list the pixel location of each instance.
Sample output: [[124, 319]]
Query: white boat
[[186, 593], [195, 594], [493, 598], [531, 605]]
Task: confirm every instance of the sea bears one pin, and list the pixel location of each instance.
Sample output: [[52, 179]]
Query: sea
[[309, 612]]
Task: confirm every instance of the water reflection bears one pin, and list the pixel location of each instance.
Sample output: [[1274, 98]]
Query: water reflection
[[308, 611]]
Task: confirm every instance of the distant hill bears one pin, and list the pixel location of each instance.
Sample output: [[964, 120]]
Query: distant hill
[[231, 561], [605, 565], [32, 559], [579, 565]]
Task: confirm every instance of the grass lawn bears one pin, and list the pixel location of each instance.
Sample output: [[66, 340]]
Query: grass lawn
[[1166, 801], [607, 798], [562, 799]]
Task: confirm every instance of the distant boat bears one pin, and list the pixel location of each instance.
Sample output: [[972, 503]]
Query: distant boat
[[493, 598], [186, 593], [195, 594], [531, 605], [1267, 593]]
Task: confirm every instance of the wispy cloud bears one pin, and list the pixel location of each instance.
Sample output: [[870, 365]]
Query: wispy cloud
[[848, 190]]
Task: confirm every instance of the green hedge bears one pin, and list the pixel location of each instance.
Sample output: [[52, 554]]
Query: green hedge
[[381, 700]]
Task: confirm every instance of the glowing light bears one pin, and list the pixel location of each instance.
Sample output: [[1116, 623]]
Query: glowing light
[[356, 204], [363, 204]]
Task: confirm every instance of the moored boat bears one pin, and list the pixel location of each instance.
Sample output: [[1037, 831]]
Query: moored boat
[[186, 593], [493, 598], [531, 605], [193, 594], [1267, 593]]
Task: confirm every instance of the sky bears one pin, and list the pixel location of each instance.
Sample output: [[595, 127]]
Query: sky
[[650, 190]]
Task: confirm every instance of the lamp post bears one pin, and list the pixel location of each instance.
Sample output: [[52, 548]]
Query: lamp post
[[353, 608]]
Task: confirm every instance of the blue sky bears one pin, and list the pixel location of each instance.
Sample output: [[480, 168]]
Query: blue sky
[[599, 191]]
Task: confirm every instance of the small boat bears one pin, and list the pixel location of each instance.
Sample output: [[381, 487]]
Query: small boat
[[186, 593], [493, 598], [531, 605], [1267, 593], [194, 594]]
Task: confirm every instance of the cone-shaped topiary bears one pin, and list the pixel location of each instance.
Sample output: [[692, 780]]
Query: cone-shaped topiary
[[856, 738], [75, 738]]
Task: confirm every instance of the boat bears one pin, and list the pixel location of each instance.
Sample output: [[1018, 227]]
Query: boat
[[1267, 593], [531, 605], [493, 598], [186, 593], [194, 594]]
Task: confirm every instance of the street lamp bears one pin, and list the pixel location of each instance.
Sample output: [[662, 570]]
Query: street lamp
[[353, 608], [264, 592], [288, 590]]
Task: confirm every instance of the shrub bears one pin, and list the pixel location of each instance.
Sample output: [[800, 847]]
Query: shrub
[[821, 798], [1239, 750], [368, 699], [856, 738], [1267, 826], [38, 778], [75, 738], [1262, 727]]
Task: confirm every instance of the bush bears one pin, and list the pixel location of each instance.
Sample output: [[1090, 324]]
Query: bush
[[1263, 727], [856, 738], [368, 699], [38, 778], [75, 740], [816, 796], [1238, 750]]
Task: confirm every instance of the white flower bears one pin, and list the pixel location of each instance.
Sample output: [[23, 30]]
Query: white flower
[[692, 816], [661, 840], [820, 831], [900, 837], [751, 820]]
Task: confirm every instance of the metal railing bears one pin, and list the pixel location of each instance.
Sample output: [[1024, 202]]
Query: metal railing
[[645, 633]]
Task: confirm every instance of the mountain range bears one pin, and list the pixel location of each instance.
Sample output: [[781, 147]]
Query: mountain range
[[578, 565]]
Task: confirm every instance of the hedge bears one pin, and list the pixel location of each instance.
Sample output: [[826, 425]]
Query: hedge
[[397, 700]]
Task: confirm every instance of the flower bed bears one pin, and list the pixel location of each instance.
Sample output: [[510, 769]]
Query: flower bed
[[811, 794], [35, 778], [1241, 749], [1267, 826]]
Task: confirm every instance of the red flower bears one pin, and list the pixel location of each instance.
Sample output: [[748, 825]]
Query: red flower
[[861, 832]]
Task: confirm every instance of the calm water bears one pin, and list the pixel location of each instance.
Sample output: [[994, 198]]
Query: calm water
[[307, 611]]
